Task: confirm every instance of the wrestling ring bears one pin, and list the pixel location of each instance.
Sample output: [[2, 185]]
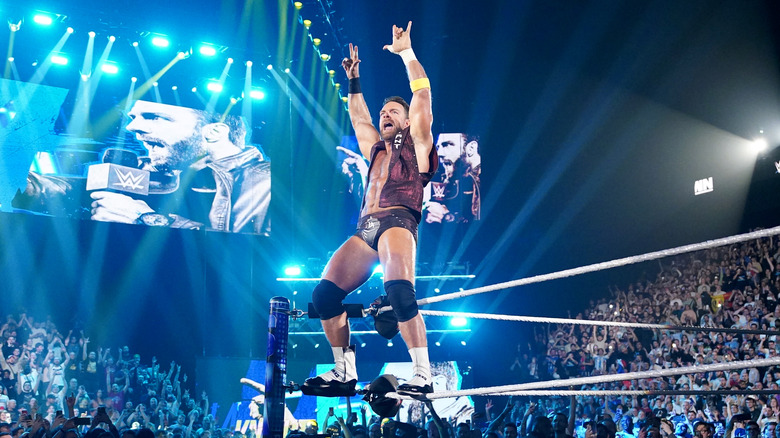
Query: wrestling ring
[[280, 314]]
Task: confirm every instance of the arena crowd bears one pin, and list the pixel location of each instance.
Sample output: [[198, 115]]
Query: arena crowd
[[51, 381]]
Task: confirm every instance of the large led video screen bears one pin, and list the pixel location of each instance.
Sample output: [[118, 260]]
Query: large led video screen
[[454, 193], [168, 165]]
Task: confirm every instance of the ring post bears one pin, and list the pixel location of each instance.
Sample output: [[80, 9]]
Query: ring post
[[276, 368]]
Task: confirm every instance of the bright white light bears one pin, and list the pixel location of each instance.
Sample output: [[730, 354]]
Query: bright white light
[[463, 343], [438, 344], [214, 87], [133, 79], [135, 43], [10, 59], [91, 34], [362, 345], [316, 345], [69, 30], [378, 270], [84, 77], [194, 89], [160, 41], [287, 70], [270, 67], [436, 290], [257, 94], [111, 69], [59, 60], [208, 51], [112, 38], [249, 63], [458, 321], [233, 100], [292, 271], [759, 144], [181, 55], [174, 88], [155, 84], [230, 60], [43, 20], [389, 343]]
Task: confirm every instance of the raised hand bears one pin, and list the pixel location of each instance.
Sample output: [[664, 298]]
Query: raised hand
[[351, 64], [401, 39]]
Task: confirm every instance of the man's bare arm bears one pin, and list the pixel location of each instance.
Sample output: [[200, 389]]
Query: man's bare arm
[[365, 132], [420, 108]]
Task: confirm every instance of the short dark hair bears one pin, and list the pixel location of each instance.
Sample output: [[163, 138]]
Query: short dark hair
[[399, 100]]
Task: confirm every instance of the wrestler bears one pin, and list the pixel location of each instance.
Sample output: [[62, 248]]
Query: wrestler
[[402, 160]]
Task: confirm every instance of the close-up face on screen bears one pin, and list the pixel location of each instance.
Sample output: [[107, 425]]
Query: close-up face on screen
[[168, 165]]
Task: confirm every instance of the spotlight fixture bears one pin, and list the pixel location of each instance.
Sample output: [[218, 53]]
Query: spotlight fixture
[[43, 19], [249, 63], [135, 43], [10, 59], [59, 60], [160, 41], [91, 34], [214, 87], [298, 5], [270, 67], [14, 26], [390, 343], [109, 68], [325, 57], [194, 89], [111, 38], [155, 84], [207, 50], [337, 85], [316, 41], [290, 271], [344, 99], [331, 73], [69, 30], [259, 95], [307, 23], [287, 70], [230, 60], [133, 79]]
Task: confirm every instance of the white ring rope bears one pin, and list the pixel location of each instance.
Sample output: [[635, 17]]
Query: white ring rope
[[601, 266], [578, 381], [519, 318]]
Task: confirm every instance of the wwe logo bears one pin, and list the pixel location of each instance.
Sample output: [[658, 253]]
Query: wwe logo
[[438, 190], [129, 180]]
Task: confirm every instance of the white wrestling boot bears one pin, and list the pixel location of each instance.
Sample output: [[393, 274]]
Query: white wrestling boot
[[338, 382], [421, 379]]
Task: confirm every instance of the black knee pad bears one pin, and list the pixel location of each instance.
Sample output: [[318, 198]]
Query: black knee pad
[[327, 299], [401, 296]]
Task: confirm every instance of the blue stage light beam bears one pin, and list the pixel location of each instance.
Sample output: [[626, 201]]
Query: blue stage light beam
[[42, 69]]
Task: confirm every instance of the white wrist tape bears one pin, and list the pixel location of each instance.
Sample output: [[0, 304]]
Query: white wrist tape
[[407, 55]]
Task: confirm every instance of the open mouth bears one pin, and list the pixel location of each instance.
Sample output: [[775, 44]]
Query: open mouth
[[387, 126]]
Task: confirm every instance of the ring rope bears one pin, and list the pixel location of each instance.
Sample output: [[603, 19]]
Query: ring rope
[[600, 266], [519, 318], [578, 381], [605, 392]]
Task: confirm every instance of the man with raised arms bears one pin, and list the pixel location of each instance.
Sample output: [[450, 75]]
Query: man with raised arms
[[402, 161]]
